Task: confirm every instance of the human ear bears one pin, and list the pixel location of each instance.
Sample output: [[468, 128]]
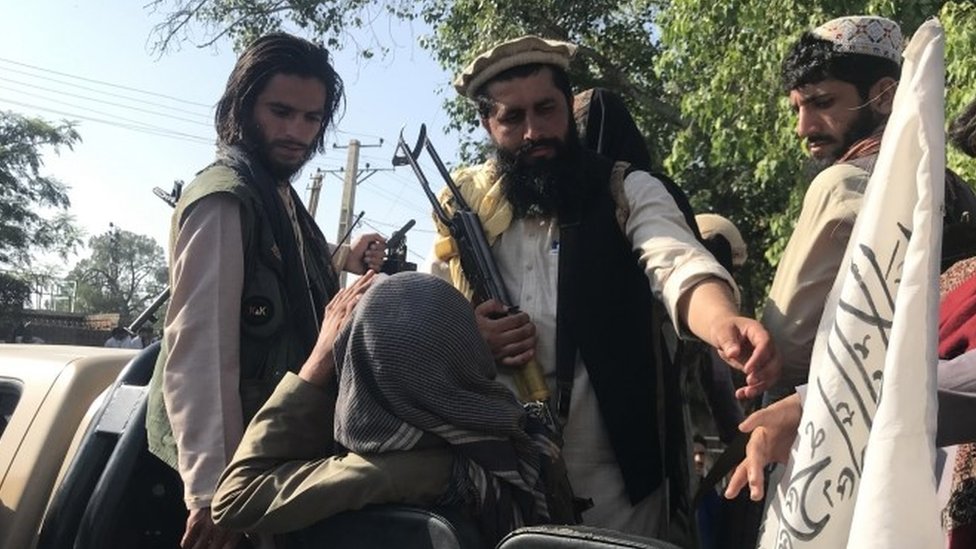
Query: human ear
[[882, 95]]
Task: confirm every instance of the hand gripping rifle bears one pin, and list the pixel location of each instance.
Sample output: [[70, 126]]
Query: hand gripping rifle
[[476, 259], [482, 273], [396, 251]]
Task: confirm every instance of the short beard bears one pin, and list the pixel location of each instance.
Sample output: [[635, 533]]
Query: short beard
[[863, 125], [260, 148], [532, 186]]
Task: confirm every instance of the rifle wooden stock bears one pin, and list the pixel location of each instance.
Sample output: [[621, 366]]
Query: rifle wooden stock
[[531, 383]]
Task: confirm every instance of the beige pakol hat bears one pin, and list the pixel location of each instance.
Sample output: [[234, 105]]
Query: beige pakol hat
[[520, 51], [713, 224], [864, 34]]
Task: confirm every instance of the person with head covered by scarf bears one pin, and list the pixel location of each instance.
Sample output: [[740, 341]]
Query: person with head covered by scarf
[[593, 247], [397, 403]]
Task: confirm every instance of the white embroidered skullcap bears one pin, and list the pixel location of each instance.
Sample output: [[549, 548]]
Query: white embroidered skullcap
[[864, 34], [513, 53]]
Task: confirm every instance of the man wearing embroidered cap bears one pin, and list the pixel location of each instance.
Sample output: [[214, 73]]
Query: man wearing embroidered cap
[[841, 80], [566, 226]]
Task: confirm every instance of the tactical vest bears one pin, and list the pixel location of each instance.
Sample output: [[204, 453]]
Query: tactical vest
[[268, 348]]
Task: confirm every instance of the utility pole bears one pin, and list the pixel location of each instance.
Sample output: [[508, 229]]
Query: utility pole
[[348, 190], [315, 190], [353, 176]]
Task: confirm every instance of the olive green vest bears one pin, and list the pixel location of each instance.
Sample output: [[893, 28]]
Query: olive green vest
[[268, 348]]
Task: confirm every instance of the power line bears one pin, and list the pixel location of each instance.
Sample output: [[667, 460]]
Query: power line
[[346, 132], [393, 226], [142, 128], [102, 101], [387, 196], [409, 251], [132, 89], [104, 83], [137, 123], [108, 93]]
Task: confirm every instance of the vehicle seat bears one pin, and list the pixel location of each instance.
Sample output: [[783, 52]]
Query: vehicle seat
[[385, 526], [577, 537]]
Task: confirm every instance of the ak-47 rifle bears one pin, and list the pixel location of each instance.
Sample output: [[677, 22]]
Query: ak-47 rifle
[[476, 260], [396, 251], [149, 313], [479, 268]]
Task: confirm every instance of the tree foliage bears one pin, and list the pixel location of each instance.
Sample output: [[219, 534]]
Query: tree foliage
[[33, 207], [14, 293], [702, 78], [122, 275], [739, 155]]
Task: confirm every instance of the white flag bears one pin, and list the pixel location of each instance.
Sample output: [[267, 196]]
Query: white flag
[[861, 474]]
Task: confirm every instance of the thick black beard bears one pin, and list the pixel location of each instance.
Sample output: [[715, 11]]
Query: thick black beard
[[259, 147], [532, 186], [863, 125]]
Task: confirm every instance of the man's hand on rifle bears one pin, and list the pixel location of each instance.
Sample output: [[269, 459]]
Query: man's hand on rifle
[[366, 253], [511, 338]]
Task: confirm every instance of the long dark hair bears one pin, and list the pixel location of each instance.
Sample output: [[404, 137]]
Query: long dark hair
[[275, 53], [962, 130]]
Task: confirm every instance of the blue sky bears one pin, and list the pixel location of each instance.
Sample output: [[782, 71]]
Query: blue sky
[[90, 62]]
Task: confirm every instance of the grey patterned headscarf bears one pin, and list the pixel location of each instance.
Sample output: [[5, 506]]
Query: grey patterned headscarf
[[411, 366]]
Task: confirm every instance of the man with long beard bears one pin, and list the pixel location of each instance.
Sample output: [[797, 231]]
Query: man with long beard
[[589, 249], [250, 271], [841, 79]]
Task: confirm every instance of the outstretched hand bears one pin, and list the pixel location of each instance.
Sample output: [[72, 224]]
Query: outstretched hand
[[772, 432], [746, 345], [320, 365]]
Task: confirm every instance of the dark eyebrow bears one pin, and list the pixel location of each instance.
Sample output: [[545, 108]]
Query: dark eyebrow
[[812, 98], [502, 110], [280, 105], [289, 108]]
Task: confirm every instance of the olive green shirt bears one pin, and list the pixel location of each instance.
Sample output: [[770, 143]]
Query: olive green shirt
[[284, 477]]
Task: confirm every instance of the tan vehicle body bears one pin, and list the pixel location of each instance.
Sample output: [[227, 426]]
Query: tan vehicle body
[[59, 388]]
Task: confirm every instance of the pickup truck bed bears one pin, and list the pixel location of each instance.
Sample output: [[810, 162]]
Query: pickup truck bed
[[75, 471]]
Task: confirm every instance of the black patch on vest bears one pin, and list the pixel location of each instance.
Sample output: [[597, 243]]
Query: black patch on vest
[[257, 310]]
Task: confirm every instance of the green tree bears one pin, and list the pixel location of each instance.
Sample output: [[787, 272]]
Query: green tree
[[122, 275], [14, 293], [959, 19], [739, 155], [702, 78], [33, 207]]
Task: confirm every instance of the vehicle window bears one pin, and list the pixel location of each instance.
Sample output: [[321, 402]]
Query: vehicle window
[[10, 390]]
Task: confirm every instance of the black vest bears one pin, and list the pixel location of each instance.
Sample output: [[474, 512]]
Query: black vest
[[607, 312]]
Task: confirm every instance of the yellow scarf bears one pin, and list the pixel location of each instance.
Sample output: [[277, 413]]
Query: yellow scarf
[[481, 188]]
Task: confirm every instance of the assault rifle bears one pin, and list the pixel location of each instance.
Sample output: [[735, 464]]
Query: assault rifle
[[148, 314], [396, 251], [476, 259]]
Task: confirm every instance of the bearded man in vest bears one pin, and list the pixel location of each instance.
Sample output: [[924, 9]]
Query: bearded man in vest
[[594, 247], [250, 271]]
